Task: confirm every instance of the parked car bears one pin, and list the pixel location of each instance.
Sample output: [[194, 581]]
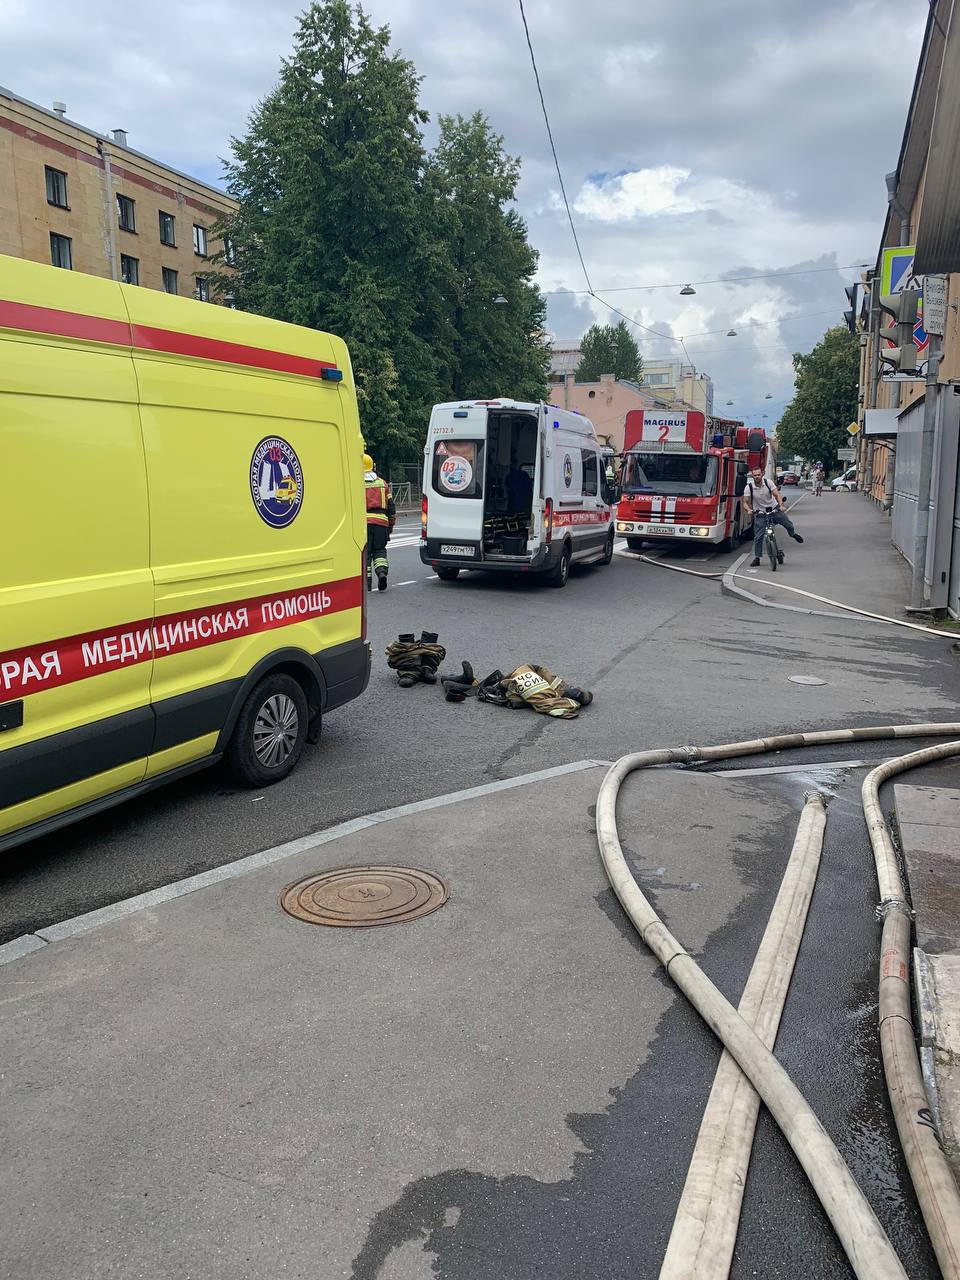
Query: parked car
[[847, 481], [790, 477]]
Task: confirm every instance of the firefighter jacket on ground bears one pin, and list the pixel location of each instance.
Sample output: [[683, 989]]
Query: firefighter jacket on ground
[[380, 508], [539, 688]]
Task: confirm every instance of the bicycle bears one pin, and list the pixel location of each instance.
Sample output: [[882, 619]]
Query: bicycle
[[774, 554]]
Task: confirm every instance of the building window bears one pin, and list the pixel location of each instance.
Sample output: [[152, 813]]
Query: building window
[[168, 229], [61, 251], [203, 289], [200, 240], [56, 187], [229, 253], [126, 210], [170, 279], [129, 269]]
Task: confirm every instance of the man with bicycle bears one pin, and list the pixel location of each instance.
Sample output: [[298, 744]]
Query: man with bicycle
[[762, 497]]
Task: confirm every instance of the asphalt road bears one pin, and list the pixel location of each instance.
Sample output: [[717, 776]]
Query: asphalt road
[[670, 661]]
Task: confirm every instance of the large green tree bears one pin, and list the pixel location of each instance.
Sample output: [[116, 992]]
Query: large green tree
[[330, 227], [481, 254], [814, 423], [609, 348]]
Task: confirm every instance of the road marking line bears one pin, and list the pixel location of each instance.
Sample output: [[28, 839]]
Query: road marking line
[[429, 576], [29, 942], [409, 583]]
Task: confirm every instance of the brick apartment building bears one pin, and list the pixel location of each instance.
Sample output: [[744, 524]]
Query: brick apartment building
[[87, 202]]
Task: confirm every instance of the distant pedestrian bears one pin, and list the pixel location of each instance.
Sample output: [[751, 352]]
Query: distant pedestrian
[[818, 479]]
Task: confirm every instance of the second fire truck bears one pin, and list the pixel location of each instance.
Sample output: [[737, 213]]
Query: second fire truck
[[683, 477]]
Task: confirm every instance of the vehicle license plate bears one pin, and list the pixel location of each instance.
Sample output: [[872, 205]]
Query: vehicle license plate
[[661, 528], [456, 549]]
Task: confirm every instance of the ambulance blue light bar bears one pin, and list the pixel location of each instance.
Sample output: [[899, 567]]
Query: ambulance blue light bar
[[332, 375], [460, 413]]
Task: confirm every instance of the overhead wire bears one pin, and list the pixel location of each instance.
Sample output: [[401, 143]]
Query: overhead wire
[[546, 120], [766, 275]]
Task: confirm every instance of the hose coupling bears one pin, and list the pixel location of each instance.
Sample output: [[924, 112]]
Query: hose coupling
[[894, 904]]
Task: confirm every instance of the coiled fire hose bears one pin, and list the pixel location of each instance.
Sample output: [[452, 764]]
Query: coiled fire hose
[[861, 1235]]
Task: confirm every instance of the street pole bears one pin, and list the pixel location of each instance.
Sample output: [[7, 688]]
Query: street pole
[[918, 595]]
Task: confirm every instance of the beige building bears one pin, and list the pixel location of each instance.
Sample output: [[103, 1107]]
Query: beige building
[[606, 403], [87, 202]]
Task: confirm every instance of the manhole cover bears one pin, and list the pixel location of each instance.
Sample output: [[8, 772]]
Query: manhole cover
[[355, 897], [806, 680]]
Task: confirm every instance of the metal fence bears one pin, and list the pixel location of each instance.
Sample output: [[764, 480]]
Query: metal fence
[[405, 483]]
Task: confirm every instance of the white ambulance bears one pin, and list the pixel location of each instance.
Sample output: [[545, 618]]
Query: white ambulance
[[514, 487]]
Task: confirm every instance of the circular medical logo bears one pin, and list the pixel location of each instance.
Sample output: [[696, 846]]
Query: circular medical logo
[[456, 474], [276, 482], [567, 470]]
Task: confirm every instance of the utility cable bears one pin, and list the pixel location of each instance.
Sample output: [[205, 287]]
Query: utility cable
[[546, 120], [767, 275]]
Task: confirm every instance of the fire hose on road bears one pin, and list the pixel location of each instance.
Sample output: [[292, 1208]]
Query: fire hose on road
[[861, 1235]]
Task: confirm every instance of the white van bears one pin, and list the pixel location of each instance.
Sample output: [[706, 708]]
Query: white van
[[515, 487]]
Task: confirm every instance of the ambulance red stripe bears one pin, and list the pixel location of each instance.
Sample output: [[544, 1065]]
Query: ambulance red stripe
[[27, 318], [564, 519], [78, 657]]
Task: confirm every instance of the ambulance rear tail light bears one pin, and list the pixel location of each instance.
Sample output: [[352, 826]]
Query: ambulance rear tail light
[[423, 516], [548, 521]]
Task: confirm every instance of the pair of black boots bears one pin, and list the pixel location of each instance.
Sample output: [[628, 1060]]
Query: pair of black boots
[[415, 660]]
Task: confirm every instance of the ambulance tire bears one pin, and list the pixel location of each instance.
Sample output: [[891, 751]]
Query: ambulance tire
[[279, 700], [447, 572], [607, 557], [558, 575]]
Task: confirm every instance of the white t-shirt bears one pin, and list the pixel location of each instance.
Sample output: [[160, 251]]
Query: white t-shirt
[[761, 495]]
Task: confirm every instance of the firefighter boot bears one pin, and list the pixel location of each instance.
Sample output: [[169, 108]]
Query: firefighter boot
[[463, 685], [403, 655], [381, 579], [431, 655]]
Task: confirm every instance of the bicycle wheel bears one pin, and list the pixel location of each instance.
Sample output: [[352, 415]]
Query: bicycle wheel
[[772, 551]]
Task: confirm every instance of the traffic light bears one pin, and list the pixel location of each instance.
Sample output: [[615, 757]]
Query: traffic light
[[850, 315], [902, 308]]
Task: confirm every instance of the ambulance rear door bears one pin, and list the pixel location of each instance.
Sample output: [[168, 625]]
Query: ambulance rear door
[[454, 482]]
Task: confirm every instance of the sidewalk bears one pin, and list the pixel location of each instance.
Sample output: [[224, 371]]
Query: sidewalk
[[846, 555], [209, 1088]]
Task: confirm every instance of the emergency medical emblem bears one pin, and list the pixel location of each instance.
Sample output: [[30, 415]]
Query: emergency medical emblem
[[276, 482], [567, 470], [455, 474]]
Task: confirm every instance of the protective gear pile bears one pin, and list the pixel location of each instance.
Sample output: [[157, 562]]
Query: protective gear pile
[[532, 686], [415, 660]]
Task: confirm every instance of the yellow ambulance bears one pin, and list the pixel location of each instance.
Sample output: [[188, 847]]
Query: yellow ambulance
[[183, 520]]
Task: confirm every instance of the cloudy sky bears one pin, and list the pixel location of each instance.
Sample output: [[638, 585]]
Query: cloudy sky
[[699, 140]]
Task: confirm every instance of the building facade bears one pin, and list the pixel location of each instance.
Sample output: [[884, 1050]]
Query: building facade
[[606, 403], [893, 409], [87, 202]]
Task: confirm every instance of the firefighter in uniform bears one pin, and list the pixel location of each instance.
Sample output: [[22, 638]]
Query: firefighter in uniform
[[381, 517]]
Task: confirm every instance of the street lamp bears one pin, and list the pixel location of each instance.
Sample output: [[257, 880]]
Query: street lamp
[[729, 402], [499, 300], [768, 396], [731, 333], [687, 291]]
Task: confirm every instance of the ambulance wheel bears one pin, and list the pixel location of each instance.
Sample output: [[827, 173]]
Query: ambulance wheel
[[270, 732], [635, 544], [558, 575], [607, 556], [447, 572]]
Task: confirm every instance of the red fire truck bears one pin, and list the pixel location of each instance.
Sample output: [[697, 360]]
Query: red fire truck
[[683, 475]]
